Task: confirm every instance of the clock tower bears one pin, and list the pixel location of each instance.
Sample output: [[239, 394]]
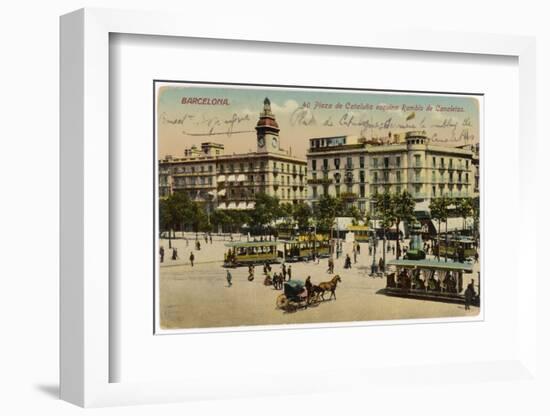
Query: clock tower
[[267, 130]]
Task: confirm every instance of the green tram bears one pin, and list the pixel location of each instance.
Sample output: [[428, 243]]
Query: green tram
[[304, 246], [253, 252], [453, 247], [428, 280], [361, 233]]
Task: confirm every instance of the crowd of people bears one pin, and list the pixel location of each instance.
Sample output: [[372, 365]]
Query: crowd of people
[[175, 255]]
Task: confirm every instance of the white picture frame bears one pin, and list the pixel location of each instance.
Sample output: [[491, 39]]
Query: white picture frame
[[85, 165]]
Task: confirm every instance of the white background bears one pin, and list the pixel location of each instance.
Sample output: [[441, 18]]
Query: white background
[[383, 346], [29, 163]]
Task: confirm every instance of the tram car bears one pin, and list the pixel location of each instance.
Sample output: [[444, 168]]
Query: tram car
[[362, 233], [253, 252], [305, 246], [456, 247], [429, 280]]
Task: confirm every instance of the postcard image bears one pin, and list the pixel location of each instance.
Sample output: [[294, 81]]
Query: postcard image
[[282, 205]]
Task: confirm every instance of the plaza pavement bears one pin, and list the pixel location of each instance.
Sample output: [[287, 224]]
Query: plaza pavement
[[199, 297]]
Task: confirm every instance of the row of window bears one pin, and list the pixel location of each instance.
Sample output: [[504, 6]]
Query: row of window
[[388, 162], [191, 169], [281, 193], [193, 180], [417, 190], [277, 166], [418, 177]]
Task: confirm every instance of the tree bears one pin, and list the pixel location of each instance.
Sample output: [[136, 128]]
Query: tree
[[353, 212], [285, 212], [439, 210], [464, 208], [265, 211], [475, 216], [219, 218], [301, 213], [166, 219], [326, 210], [403, 210], [383, 211], [175, 211]]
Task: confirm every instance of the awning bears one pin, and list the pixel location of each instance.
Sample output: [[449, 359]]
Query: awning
[[232, 205], [231, 178], [221, 192], [221, 178], [453, 224], [251, 205], [241, 178]]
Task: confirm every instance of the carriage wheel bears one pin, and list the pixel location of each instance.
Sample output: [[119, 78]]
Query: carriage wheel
[[282, 302]]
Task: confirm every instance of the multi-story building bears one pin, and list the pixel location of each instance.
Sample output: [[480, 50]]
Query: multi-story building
[[355, 168], [232, 181]]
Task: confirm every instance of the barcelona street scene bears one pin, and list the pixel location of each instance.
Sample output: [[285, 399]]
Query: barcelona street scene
[[282, 206]]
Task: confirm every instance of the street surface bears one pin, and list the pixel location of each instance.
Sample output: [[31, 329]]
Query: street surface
[[199, 296]]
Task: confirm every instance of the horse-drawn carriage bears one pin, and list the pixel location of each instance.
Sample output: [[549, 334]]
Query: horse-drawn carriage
[[298, 294], [294, 296]]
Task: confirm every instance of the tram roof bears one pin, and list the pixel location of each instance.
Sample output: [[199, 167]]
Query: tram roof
[[252, 243], [431, 264]]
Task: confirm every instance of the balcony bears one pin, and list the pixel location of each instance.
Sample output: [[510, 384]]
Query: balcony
[[349, 167], [348, 196], [319, 181]]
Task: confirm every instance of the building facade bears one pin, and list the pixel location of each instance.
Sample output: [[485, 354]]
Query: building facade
[[355, 169], [223, 181]]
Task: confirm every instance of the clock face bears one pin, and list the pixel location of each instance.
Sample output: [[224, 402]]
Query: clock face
[[261, 141], [274, 143]]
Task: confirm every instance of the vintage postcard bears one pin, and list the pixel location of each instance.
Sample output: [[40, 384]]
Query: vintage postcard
[[290, 205]]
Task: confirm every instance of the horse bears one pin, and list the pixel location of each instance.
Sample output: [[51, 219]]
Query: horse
[[312, 295], [328, 287]]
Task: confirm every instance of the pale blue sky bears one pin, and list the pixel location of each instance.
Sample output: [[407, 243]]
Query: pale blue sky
[[181, 125]]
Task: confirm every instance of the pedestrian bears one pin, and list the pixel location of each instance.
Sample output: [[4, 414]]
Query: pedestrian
[[355, 256], [393, 250], [175, 253], [347, 262], [469, 295], [211, 238], [284, 271], [289, 272], [205, 238], [192, 259], [381, 264], [358, 248], [229, 278], [370, 250], [251, 273], [161, 252], [186, 242]]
